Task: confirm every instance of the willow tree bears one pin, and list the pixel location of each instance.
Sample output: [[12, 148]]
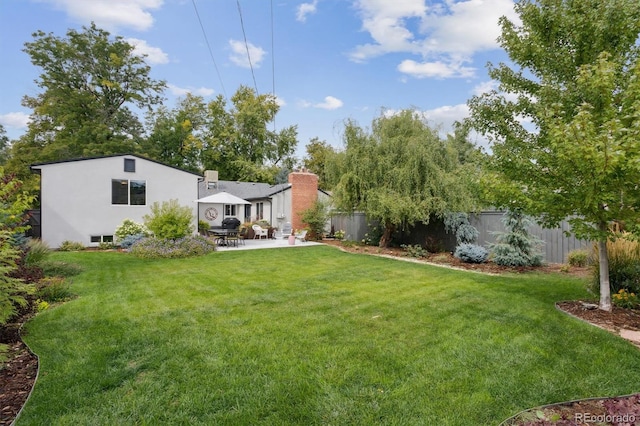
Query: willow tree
[[399, 173], [565, 123]]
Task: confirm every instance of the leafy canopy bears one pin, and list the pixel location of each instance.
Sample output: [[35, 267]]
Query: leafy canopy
[[399, 173], [565, 122]]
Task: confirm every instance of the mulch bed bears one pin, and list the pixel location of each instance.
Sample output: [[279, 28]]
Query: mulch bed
[[17, 378]]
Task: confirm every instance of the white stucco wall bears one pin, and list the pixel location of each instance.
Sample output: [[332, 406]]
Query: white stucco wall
[[76, 196]]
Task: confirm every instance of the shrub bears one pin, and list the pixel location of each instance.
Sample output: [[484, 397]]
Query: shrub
[[516, 247], [36, 252], [458, 223], [169, 220], [624, 299], [471, 253], [129, 227], [415, 250], [153, 248], [339, 235], [53, 289], [624, 265], [578, 258], [203, 226], [316, 218], [70, 246], [130, 240], [372, 238]]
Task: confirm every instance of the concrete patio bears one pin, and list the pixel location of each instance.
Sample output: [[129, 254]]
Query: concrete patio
[[267, 244]]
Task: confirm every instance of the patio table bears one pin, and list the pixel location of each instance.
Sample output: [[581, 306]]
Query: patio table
[[222, 235]]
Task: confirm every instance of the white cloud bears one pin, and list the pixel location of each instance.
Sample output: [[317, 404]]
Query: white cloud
[[110, 14], [444, 35], [329, 103], [17, 120], [306, 9], [239, 54], [484, 87], [154, 55], [182, 91], [436, 69]]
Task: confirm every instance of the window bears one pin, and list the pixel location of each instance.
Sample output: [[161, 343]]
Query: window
[[102, 238], [119, 191], [260, 211], [127, 192], [229, 209], [129, 165], [138, 193]]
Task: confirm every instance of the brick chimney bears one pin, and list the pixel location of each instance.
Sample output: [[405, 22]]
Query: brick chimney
[[304, 192]]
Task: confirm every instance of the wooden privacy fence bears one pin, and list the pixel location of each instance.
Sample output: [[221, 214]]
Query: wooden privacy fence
[[555, 248]]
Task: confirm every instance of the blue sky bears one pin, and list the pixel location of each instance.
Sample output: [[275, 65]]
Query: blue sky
[[325, 60]]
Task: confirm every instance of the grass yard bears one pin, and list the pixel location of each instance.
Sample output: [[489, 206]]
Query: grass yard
[[312, 336]]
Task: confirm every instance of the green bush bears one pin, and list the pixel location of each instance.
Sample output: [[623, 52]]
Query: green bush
[[169, 220], [71, 246], [516, 247], [316, 218], [53, 289], [578, 258], [624, 265], [414, 251], [625, 299], [36, 252], [129, 227]]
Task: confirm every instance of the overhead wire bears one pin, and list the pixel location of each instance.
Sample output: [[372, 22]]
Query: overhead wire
[[246, 45], [273, 65], [204, 33]]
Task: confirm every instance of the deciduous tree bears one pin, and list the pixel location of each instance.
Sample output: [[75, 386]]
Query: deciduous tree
[[565, 125], [89, 81], [399, 173]]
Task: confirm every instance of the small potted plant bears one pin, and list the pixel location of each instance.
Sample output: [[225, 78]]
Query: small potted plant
[[292, 237]]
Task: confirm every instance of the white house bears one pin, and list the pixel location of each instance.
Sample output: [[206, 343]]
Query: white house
[[277, 204], [85, 200]]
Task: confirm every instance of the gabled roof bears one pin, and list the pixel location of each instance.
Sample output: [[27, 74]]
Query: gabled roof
[[246, 190], [39, 165]]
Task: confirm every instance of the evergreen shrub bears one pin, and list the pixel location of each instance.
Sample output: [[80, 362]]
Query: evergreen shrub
[[471, 253]]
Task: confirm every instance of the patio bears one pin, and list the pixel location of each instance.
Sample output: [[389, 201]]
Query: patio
[[252, 244]]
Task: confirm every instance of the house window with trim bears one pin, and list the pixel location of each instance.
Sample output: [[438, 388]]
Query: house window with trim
[[128, 192], [229, 209], [259, 211], [129, 165]]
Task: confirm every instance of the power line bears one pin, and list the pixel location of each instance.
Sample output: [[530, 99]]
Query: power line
[[209, 47], [273, 65], [246, 45]]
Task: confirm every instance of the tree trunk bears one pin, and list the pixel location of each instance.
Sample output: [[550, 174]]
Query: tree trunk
[[385, 240], [603, 259]]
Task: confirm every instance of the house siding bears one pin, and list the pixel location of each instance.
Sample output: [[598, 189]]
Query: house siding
[[76, 196]]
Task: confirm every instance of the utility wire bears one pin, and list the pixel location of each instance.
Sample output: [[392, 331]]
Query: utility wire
[[204, 33], [246, 45], [273, 65]]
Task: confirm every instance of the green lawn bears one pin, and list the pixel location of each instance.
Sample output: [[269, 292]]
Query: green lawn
[[312, 336]]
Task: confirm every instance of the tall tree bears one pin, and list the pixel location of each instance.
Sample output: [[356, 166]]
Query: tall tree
[[89, 81], [4, 146], [177, 136], [241, 145], [566, 124], [399, 174], [318, 153]]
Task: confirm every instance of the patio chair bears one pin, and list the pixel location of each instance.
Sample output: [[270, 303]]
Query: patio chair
[[259, 232], [302, 235], [286, 230]]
